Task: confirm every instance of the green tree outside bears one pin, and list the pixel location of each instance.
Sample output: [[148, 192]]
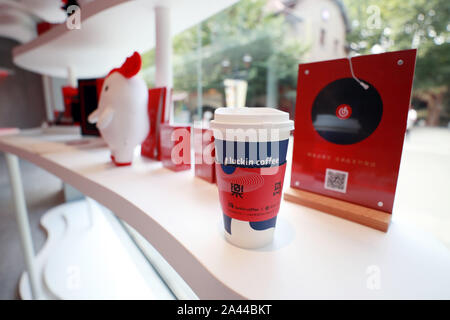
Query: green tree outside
[[388, 25], [245, 29]]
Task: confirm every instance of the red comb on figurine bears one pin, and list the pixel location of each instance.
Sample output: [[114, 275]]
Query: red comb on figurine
[[130, 67]]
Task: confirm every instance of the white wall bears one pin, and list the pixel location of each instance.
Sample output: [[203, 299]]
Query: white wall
[[21, 95]]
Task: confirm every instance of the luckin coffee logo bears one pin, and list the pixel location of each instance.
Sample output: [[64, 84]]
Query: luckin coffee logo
[[244, 161], [344, 111]]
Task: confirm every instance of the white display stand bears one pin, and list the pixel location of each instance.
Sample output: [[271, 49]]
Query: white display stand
[[314, 255], [88, 256]]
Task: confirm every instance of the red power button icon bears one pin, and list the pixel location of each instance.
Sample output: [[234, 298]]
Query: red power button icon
[[343, 111]]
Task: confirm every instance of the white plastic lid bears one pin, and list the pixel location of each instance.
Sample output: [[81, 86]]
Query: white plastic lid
[[251, 117]]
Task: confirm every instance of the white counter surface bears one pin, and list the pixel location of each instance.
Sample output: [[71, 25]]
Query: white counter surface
[[314, 255]]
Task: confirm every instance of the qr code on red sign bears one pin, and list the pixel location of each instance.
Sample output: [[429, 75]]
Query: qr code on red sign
[[336, 180]]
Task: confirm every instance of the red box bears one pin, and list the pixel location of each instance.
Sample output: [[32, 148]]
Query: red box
[[151, 148], [204, 154], [175, 147], [349, 132], [71, 113]]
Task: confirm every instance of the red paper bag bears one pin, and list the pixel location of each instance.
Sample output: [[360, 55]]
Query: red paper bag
[[156, 112]]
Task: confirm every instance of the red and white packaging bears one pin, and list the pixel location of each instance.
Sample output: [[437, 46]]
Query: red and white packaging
[[175, 143], [204, 154]]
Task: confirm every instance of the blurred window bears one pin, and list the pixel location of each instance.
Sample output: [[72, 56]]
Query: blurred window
[[258, 44]]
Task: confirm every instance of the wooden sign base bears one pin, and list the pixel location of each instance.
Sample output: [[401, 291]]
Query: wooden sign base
[[369, 217]]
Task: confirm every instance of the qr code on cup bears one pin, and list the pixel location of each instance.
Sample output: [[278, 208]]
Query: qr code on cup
[[336, 180]]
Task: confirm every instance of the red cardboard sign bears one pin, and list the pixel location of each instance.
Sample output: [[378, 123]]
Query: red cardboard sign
[[349, 127]]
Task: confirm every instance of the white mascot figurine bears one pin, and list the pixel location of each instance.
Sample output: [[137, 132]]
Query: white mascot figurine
[[122, 114]]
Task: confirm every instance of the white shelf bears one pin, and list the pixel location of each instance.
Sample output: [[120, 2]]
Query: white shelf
[[314, 255], [110, 31], [88, 255]]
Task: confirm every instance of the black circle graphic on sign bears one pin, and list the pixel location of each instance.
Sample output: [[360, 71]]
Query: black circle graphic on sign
[[346, 113]]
